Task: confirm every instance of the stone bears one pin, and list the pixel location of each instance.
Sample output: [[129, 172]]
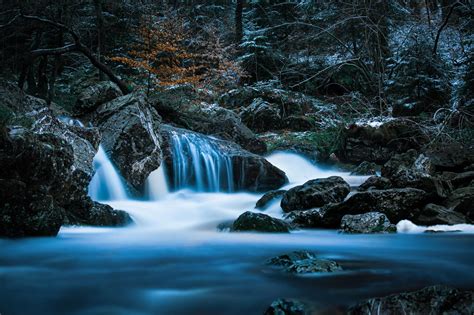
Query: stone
[[430, 300], [365, 168], [375, 182], [290, 307], [264, 202], [259, 222], [433, 214], [315, 193], [301, 262], [371, 222], [261, 116], [95, 95], [312, 218]]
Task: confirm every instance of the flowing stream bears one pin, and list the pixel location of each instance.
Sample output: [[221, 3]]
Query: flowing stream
[[174, 261]]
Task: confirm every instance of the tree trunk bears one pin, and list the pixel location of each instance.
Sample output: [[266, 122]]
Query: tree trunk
[[239, 32]]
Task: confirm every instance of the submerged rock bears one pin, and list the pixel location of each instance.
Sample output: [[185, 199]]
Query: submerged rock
[[304, 262], [315, 193], [265, 200], [430, 300], [130, 129], [371, 222], [259, 222], [290, 307]]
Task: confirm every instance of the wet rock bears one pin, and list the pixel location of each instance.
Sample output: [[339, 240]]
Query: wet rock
[[178, 105], [458, 180], [95, 95], [379, 142], [299, 123], [251, 172], [462, 200], [450, 157], [34, 168], [375, 182], [430, 300], [264, 202], [397, 204], [259, 222], [365, 168], [312, 218], [290, 307], [315, 193], [130, 129], [434, 214], [301, 262], [261, 116], [371, 222], [415, 170]]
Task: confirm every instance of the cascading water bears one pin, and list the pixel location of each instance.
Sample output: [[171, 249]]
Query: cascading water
[[156, 186], [106, 183], [198, 163]]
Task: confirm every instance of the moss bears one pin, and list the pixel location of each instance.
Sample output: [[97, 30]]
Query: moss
[[6, 115]]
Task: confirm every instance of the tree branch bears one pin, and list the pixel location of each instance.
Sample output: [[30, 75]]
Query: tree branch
[[451, 9]]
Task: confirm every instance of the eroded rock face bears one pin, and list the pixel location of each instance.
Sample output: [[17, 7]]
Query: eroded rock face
[[397, 204], [430, 300], [378, 143], [371, 222], [259, 222], [315, 193], [130, 130], [95, 95]]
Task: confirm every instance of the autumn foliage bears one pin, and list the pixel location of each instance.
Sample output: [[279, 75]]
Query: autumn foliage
[[167, 54]]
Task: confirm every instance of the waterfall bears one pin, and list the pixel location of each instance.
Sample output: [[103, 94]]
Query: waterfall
[[198, 163], [106, 183], [156, 186]]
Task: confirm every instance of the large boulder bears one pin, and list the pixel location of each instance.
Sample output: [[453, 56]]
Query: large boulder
[[450, 157], [187, 107], [375, 182], [397, 204], [371, 222], [248, 171], [378, 141], [430, 300], [312, 218], [365, 168], [434, 214], [462, 200], [259, 222], [95, 95], [291, 307], [130, 130], [301, 262], [315, 193], [34, 168]]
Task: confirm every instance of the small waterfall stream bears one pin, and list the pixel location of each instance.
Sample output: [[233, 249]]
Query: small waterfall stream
[[208, 169], [106, 183]]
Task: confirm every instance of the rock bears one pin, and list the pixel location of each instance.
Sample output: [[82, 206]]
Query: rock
[[299, 123], [312, 218], [259, 222], [375, 182], [397, 204], [290, 307], [365, 168], [251, 172], [433, 215], [458, 180], [415, 170], [131, 136], [95, 95], [263, 203], [34, 168], [450, 157], [304, 262], [261, 116], [315, 193], [299, 142], [379, 142], [371, 222], [462, 200], [430, 300], [178, 105]]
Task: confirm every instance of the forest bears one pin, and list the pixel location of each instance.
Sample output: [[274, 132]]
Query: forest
[[236, 157]]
